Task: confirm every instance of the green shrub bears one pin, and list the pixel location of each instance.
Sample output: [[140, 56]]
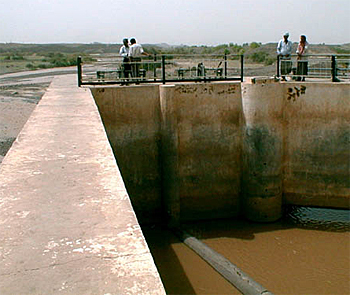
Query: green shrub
[[14, 56], [254, 45], [17, 57], [340, 50], [269, 61], [30, 66], [258, 56]]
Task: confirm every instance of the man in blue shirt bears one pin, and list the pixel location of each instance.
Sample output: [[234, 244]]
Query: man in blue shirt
[[284, 50]]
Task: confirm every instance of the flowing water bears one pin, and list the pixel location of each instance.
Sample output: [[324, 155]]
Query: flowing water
[[307, 252]]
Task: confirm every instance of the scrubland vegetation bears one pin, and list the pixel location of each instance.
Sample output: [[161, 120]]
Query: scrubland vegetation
[[16, 57]]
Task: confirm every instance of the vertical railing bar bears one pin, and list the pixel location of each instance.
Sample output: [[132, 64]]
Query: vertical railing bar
[[155, 67], [334, 70], [79, 71], [163, 69], [242, 67]]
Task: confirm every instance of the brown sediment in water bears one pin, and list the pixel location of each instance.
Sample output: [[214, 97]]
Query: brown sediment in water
[[182, 270], [285, 258]]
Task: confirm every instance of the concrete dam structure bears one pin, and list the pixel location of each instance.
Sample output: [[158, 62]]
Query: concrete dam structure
[[89, 158], [201, 151]]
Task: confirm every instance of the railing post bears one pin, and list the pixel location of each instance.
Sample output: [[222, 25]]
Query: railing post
[[225, 65], [278, 66], [155, 67], [163, 69], [334, 70], [79, 71], [242, 65]]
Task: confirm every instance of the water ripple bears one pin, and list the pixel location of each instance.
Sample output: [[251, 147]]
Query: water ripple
[[319, 218]]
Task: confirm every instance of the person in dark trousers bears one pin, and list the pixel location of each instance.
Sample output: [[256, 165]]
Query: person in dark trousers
[[302, 66], [124, 52], [284, 50], [135, 53]]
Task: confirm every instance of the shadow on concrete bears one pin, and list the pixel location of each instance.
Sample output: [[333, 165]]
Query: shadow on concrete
[[5, 145]]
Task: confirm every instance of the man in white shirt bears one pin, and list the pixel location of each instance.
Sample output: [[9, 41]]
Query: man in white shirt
[[124, 52], [284, 50], [135, 53]]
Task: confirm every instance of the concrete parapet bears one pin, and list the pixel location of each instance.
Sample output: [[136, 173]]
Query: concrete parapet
[[66, 222]]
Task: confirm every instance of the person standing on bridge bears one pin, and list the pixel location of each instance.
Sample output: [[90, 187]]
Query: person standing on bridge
[[302, 67], [135, 53], [284, 51], [124, 52]]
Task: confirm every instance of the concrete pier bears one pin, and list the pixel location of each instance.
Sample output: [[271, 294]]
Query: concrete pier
[[202, 149], [262, 150], [227, 149], [66, 222]]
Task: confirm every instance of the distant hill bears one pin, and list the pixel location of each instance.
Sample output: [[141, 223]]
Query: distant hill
[[231, 48]]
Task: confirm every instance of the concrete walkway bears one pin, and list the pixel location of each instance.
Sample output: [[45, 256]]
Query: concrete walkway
[[66, 222]]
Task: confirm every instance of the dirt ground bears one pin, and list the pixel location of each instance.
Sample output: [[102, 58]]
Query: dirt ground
[[19, 94]]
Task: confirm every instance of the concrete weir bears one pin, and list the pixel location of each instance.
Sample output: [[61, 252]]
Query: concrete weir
[[200, 151], [187, 151]]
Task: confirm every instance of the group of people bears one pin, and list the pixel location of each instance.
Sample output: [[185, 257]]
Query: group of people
[[131, 54], [284, 50]]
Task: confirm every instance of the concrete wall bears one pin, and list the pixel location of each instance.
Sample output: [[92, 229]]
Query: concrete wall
[[296, 146], [317, 144], [215, 150], [202, 149], [131, 116]]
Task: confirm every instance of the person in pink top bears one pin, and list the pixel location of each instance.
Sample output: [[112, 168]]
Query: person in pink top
[[302, 66]]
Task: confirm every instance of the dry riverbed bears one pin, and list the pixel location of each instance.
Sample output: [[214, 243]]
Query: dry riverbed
[[19, 94]]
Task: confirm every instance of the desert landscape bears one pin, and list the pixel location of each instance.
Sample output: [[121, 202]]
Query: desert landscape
[[26, 71], [19, 94], [21, 88]]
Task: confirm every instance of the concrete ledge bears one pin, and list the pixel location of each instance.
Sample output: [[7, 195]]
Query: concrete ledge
[[66, 221]]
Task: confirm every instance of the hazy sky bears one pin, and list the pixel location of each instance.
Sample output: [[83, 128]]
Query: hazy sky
[[191, 22]]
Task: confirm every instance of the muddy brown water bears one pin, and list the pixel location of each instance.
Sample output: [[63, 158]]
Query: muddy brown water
[[307, 252]]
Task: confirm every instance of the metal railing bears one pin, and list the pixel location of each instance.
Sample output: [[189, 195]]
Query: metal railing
[[110, 69], [315, 66]]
